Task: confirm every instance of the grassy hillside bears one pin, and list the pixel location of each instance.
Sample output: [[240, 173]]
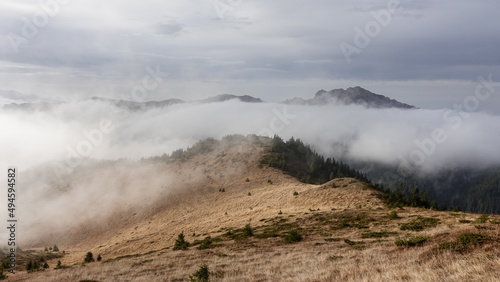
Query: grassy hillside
[[249, 222]]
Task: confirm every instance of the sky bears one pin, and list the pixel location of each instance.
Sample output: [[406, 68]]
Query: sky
[[426, 53]]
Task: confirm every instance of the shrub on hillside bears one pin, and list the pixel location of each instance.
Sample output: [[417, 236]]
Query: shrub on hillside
[[420, 223], [205, 244], [393, 215], [465, 241], [247, 231], [293, 237], [412, 242]]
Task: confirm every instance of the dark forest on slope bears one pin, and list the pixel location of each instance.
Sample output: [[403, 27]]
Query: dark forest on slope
[[300, 161], [470, 190]]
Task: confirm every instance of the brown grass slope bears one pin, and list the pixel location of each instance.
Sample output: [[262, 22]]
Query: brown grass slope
[[347, 232]]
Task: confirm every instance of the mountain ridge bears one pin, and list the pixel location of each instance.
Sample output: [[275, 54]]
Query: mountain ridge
[[350, 96]]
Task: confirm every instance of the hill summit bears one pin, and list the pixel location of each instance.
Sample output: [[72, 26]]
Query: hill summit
[[353, 95]]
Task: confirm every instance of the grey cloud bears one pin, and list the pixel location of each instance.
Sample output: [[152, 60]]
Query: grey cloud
[[452, 40], [169, 28]]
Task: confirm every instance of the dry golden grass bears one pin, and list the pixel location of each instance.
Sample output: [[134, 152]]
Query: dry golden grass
[[326, 217]]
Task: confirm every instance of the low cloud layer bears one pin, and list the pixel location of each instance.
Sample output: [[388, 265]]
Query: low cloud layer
[[422, 139]]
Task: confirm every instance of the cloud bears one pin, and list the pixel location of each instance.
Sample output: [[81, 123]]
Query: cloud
[[113, 42], [347, 132], [169, 28]]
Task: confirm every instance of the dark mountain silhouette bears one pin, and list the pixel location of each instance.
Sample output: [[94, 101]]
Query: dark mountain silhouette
[[352, 95]]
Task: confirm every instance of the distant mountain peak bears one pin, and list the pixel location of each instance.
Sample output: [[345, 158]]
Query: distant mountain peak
[[227, 97], [352, 95]]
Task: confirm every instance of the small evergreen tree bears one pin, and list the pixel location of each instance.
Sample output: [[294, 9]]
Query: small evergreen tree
[[247, 231], [399, 196], [56, 249], [414, 199], [45, 250], [444, 207], [59, 265], [29, 266], [89, 257], [181, 243], [99, 258], [434, 206], [202, 275], [425, 200], [45, 265], [35, 266]]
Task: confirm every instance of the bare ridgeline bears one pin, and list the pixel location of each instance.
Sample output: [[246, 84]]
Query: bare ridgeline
[[244, 209]]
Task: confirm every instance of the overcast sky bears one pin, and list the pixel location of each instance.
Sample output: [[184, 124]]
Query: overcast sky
[[426, 53]]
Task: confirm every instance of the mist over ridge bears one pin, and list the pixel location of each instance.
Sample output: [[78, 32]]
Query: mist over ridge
[[418, 139]]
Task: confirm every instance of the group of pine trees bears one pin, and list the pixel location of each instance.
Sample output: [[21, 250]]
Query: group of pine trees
[[300, 161], [51, 249], [412, 199], [33, 266], [470, 190], [89, 257], [483, 195]]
